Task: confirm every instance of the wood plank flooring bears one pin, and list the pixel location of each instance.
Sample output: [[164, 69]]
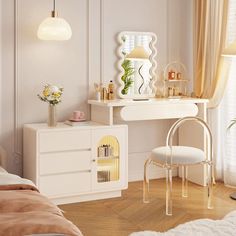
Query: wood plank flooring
[[122, 216]]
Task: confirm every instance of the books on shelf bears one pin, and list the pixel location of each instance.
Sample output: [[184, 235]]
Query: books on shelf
[[76, 123]]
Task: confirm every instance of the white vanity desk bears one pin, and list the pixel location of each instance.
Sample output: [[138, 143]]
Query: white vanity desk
[[110, 112]]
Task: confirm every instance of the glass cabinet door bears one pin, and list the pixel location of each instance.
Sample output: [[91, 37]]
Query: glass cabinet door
[[110, 157]]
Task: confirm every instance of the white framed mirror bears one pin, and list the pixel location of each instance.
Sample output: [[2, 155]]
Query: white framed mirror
[[137, 64]]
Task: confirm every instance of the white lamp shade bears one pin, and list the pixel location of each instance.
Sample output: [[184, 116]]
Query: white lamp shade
[[230, 51], [54, 28], [138, 54]]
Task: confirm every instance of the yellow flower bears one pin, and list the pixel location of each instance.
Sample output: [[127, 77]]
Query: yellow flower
[[46, 92], [57, 94], [51, 94]]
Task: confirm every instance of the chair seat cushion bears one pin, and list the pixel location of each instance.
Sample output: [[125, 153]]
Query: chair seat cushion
[[180, 155]]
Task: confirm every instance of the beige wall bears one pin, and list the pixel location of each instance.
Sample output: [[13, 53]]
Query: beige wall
[[0, 66], [88, 57]]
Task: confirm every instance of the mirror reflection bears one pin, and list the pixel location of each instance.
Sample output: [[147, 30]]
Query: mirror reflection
[[138, 65]]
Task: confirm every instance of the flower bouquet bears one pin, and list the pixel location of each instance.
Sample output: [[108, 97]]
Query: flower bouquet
[[52, 95]]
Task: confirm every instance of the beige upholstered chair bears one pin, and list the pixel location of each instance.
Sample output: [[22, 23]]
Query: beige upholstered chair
[[170, 156]]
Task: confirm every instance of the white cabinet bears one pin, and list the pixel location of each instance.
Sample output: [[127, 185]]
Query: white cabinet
[[71, 164]]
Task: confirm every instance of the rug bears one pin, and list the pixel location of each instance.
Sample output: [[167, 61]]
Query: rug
[[202, 227]]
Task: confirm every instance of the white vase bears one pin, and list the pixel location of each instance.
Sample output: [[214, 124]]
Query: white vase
[[52, 116]]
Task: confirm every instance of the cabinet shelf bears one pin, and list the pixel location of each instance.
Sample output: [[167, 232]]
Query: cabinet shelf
[[108, 158], [176, 80]]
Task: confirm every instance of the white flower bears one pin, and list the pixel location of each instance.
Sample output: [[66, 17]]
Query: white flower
[[54, 89]]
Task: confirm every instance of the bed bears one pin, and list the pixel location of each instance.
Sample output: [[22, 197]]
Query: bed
[[201, 227], [24, 211]]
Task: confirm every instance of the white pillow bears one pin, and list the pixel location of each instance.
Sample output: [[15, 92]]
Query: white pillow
[[2, 169], [7, 179]]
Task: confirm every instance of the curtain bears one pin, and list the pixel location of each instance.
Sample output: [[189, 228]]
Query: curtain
[[225, 148], [210, 35]]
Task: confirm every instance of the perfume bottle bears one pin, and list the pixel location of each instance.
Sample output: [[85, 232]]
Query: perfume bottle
[[104, 94], [111, 89]]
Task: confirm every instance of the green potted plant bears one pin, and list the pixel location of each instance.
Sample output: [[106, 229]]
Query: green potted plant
[[127, 76]]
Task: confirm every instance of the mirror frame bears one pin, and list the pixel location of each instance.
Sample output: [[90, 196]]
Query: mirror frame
[[152, 71]]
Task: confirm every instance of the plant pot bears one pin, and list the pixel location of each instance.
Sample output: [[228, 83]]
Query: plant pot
[[52, 116]]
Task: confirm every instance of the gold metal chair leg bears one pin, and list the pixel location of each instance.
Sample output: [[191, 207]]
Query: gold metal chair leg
[[169, 191], [146, 182]]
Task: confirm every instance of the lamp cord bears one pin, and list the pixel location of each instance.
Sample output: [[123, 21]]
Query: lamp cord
[[54, 5]]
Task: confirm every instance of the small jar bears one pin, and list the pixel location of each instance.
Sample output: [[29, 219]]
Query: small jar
[[171, 75], [178, 76]]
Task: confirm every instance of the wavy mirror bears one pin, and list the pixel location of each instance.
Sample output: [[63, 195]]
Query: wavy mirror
[[137, 64]]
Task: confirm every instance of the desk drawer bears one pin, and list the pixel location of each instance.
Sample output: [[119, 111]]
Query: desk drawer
[[65, 184], [64, 140], [62, 162]]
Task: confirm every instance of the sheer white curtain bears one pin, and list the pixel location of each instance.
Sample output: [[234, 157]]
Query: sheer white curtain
[[225, 141]]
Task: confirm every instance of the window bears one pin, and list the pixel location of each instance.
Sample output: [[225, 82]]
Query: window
[[227, 110]]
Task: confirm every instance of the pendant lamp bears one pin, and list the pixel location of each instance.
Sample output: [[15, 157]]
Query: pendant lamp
[[54, 27]]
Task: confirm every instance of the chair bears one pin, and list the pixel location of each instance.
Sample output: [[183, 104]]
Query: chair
[[170, 156]]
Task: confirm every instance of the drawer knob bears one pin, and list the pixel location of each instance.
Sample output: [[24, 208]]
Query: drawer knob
[[94, 160]]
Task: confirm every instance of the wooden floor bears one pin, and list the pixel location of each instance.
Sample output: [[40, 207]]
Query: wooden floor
[[122, 216]]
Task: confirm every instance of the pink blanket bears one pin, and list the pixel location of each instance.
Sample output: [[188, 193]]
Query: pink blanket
[[24, 211]]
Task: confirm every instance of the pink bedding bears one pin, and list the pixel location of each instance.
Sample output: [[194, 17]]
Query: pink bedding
[[24, 211]]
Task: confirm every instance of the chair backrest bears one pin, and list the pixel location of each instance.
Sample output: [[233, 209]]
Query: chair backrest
[[181, 121]]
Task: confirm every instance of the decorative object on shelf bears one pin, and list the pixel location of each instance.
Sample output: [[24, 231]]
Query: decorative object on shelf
[[179, 75], [105, 150], [52, 95], [171, 75], [108, 152], [54, 27], [111, 91], [137, 81], [138, 54], [175, 80], [104, 93], [52, 116], [77, 116], [104, 175], [98, 89]]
